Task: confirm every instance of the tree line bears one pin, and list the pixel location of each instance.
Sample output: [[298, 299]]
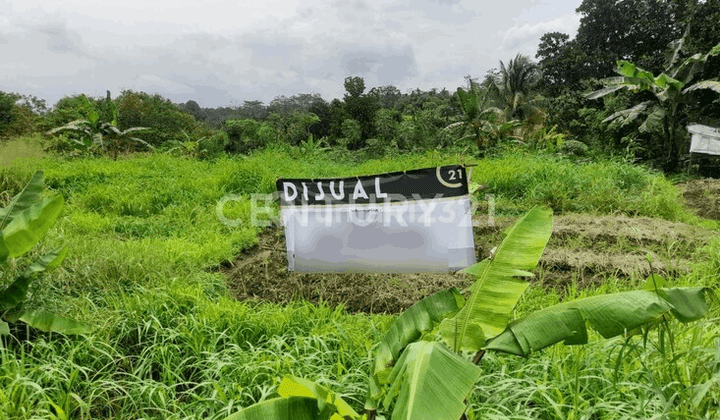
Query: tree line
[[551, 104]]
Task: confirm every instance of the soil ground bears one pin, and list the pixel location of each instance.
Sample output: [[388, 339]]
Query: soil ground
[[583, 251]]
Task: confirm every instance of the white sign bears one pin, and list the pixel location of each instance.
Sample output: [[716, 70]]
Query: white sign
[[704, 139], [410, 221]]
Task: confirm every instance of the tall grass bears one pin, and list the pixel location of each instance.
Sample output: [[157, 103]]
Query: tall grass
[[171, 344], [17, 151], [603, 187]]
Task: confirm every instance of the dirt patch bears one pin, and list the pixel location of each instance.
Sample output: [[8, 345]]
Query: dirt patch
[[585, 250], [261, 273], [703, 197]]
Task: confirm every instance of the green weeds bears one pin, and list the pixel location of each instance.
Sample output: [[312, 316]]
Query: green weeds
[[171, 344]]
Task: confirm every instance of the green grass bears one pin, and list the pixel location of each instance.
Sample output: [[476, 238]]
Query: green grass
[[18, 151], [604, 187], [171, 344]]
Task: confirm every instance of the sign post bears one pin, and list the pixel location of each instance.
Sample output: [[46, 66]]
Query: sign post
[[411, 221]]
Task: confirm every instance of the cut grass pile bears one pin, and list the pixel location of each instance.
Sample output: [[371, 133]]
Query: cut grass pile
[[171, 344]]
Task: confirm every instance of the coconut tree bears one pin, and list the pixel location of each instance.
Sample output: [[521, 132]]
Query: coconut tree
[[517, 80], [485, 124]]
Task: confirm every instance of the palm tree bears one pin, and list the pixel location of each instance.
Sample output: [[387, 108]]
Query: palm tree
[[517, 79], [486, 125]]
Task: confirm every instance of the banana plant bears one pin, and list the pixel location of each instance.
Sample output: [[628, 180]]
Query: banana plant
[[22, 224], [670, 91], [93, 132], [418, 371]]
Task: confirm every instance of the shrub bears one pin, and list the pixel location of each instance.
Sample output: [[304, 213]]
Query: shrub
[[242, 136], [214, 145], [574, 148]]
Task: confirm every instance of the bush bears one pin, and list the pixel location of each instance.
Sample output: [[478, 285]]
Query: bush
[[242, 136], [267, 134], [378, 148], [215, 145], [574, 148]]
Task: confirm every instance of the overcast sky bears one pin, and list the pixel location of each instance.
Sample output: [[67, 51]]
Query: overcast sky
[[221, 53]]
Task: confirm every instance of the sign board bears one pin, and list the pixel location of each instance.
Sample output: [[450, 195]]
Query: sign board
[[411, 221], [704, 139]]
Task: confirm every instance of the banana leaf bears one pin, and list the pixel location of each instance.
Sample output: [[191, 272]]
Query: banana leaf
[[626, 116], [610, 315], [409, 326], [705, 84], [430, 382], [604, 91], [498, 288], [47, 262], [24, 200], [14, 294], [663, 81], [49, 322], [298, 387], [653, 121], [27, 227], [293, 408]]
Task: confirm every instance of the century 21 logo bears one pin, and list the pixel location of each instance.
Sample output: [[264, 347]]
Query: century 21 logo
[[453, 175]]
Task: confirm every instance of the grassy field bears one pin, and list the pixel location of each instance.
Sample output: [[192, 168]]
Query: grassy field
[[171, 343]]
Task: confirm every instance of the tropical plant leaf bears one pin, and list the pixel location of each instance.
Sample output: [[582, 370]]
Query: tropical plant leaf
[[715, 50], [663, 81], [497, 112], [689, 303], [497, 288], [136, 129], [4, 328], [626, 68], [629, 115], [610, 315], [604, 91], [634, 73], [705, 84], [430, 382], [298, 387], [15, 293], [653, 121], [77, 125], [686, 71], [293, 408], [49, 322], [26, 229], [672, 54], [141, 141], [47, 262], [23, 200], [410, 325]]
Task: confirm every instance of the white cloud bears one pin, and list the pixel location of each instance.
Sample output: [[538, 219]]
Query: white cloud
[[524, 36], [222, 51], [151, 83]]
